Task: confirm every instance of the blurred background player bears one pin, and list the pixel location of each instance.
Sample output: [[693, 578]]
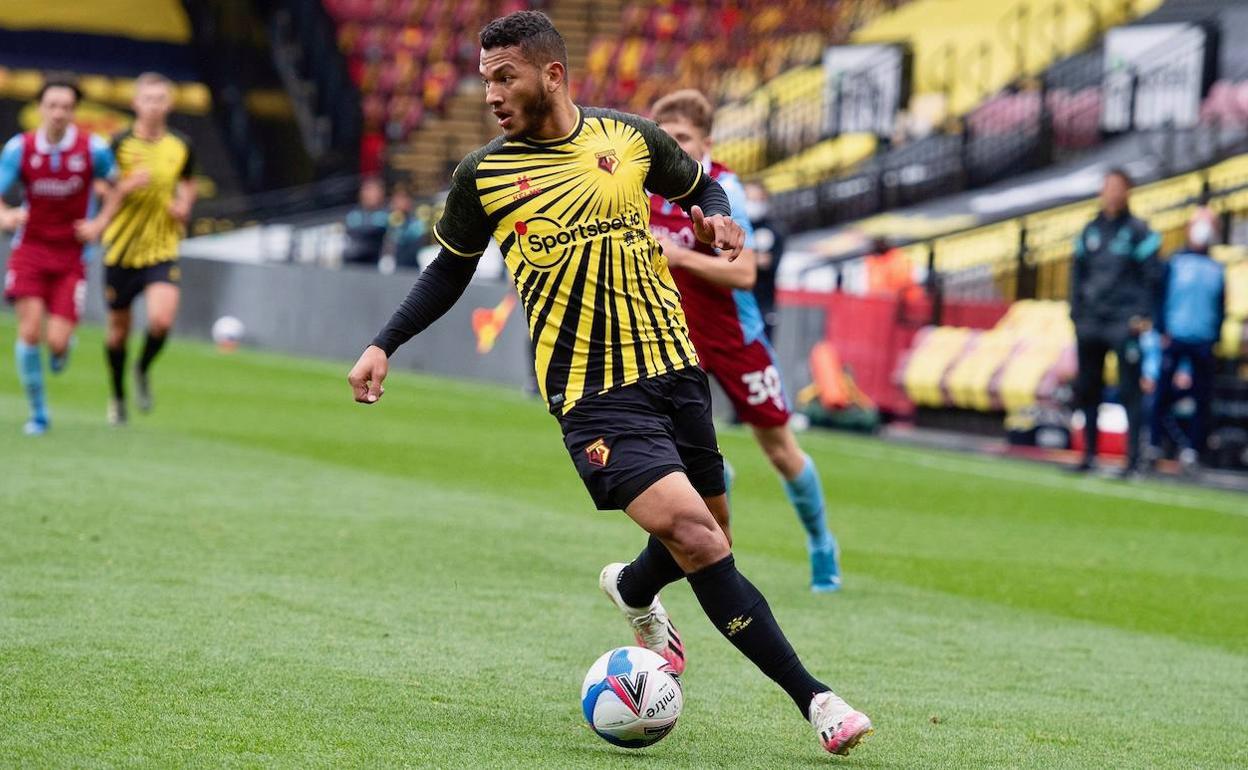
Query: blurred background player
[[141, 244], [726, 327], [1192, 293], [367, 224], [1112, 295], [563, 193], [59, 166], [769, 237]]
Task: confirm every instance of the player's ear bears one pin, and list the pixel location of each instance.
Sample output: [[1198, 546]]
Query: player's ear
[[556, 76]]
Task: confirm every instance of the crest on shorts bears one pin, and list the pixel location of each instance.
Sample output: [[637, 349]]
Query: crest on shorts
[[598, 453], [607, 161]]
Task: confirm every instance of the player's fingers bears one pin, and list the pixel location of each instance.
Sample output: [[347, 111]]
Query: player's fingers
[[696, 215], [375, 390], [721, 234]]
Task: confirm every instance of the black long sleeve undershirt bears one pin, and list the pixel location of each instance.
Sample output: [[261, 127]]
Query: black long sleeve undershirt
[[435, 291], [709, 195]]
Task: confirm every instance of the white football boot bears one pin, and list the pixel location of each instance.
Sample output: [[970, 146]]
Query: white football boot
[[839, 726], [652, 627]]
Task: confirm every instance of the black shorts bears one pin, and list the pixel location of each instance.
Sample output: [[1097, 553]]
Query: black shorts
[[123, 285], [625, 440]]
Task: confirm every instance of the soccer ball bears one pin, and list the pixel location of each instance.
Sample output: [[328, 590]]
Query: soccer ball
[[227, 332], [631, 697]]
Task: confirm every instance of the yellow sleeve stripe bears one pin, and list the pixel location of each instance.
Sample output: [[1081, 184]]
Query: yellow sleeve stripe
[[451, 248], [696, 179]]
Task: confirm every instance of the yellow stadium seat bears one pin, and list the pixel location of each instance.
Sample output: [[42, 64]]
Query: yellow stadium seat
[[970, 49], [814, 164], [968, 380], [924, 374], [1232, 345], [194, 98], [96, 88], [123, 92], [23, 84], [1237, 291]]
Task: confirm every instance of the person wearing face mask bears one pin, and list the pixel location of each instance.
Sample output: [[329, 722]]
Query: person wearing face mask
[[1112, 296], [1191, 302], [768, 250]]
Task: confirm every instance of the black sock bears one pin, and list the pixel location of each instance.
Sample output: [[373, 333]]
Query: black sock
[[117, 367], [741, 614], [653, 569], [151, 348]]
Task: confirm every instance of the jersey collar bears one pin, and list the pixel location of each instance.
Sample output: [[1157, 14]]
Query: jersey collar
[[580, 121], [42, 145]]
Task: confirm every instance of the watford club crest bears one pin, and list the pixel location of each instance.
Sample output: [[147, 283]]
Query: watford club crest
[[598, 453], [607, 161]]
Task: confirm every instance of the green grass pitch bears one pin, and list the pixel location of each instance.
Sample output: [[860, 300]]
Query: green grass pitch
[[263, 573]]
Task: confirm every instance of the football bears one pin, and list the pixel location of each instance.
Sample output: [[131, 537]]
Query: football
[[631, 698], [228, 332]]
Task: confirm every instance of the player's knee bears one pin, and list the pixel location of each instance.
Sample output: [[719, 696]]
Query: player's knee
[[159, 326], [697, 537]]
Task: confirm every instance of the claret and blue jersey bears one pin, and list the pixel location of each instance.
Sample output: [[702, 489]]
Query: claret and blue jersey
[[57, 179]]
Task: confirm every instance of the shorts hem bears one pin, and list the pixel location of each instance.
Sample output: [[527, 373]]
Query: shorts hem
[[631, 488]]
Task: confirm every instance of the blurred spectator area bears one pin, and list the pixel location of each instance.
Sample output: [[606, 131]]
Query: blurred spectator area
[[408, 58]]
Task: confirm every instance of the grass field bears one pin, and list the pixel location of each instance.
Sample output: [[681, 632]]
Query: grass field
[[263, 573]]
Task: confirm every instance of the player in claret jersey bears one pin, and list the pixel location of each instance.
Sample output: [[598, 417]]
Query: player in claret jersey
[[563, 193], [59, 166], [727, 329]]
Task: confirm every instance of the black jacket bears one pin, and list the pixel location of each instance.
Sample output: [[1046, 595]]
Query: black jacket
[[1113, 275]]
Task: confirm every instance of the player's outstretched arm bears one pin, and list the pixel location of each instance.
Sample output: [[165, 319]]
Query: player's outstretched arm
[[435, 292], [739, 274]]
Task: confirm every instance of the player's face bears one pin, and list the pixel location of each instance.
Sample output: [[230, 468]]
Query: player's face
[[690, 138], [515, 90], [152, 102], [56, 109], [1114, 195]]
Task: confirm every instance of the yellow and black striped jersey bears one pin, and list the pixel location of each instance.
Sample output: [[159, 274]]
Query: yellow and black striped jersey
[[572, 219], [143, 232]]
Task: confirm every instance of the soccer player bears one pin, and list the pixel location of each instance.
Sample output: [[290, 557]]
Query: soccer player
[[141, 244], [726, 327], [563, 192], [59, 166]]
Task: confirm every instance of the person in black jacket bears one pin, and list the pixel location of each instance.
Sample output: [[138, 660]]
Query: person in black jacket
[[1112, 294], [769, 236]]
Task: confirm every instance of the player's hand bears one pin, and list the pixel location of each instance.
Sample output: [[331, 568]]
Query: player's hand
[[720, 231], [1147, 386], [367, 375], [12, 219], [135, 180], [180, 211], [88, 230]]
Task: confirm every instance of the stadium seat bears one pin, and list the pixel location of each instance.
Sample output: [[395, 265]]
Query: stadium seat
[[969, 49], [935, 351]]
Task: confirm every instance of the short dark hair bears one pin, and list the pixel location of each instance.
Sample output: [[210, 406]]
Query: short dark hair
[[1121, 173], [58, 81], [532, 31]]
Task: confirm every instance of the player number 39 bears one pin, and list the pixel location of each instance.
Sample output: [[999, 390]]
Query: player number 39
[[764, 385]]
